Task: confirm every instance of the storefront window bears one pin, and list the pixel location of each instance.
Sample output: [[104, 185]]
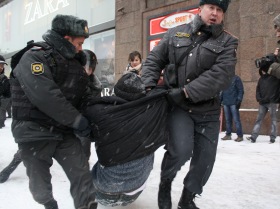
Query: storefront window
[[27, 20], [103, 45]]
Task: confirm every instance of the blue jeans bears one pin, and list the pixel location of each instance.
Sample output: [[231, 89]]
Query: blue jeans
[[271, 107], [231, 112]]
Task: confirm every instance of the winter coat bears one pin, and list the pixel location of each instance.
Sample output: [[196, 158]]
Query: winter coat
[[5, 91], [95, 85], [127, 130], [49, 104], [268, 89], [208, 69], [234, 94], [274, 70]]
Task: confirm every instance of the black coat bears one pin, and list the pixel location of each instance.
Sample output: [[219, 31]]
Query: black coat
[[5, 91], [268, 89], [207, 70], [125, 131]]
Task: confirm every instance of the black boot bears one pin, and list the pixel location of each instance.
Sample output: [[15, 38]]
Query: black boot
[[186, 200], [164, 194], [6, 172], [52, 204]]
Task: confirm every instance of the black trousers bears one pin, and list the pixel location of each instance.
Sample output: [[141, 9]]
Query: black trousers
[[195, 137], [37, 158]]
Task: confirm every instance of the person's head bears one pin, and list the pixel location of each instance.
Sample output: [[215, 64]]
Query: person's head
[[2, 64], [212, 11], [130, 87], [72, 28], [276, 22], [91, 61], [134, 58]]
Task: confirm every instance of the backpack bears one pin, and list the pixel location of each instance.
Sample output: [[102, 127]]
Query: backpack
[[30, 44]]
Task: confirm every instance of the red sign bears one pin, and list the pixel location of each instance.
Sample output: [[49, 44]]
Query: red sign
[[162, 24]]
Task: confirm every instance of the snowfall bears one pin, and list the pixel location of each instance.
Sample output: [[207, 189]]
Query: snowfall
[[245, 175]]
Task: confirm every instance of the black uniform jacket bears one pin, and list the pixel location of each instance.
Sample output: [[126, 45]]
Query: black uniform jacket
[[204, 72], [50, 96]]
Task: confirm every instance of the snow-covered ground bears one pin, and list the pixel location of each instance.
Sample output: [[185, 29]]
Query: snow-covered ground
[[245, 175]]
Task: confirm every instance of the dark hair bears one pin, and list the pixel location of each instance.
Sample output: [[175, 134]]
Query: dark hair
[[91, 58], [133, 54]]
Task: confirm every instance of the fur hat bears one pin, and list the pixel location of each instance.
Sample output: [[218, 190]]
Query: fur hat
[[276, 21], [130, 87], [223, 4], [2, 60], [70, 25]]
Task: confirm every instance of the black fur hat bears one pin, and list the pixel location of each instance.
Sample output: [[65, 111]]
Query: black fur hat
[[130, 87], [223, 4], [70, 25]]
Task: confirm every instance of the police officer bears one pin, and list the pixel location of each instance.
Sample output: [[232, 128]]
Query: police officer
[[5, 92], [201, 59], [49, 86]]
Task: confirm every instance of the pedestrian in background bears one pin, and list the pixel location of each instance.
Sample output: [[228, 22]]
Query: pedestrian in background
[[268, 97], [134, 63], [5, 92], [231, 99], [200, 58]]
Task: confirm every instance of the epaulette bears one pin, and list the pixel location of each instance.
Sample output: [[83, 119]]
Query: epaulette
[[231, 34], [36, 48]]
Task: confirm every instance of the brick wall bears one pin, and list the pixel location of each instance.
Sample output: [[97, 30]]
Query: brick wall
[[249, 20]]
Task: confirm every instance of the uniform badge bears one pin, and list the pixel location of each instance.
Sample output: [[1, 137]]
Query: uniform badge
[[180, 35], [37, 68]]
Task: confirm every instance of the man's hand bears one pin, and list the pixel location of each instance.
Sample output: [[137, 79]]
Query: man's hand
[[177, 95], [81, 127]]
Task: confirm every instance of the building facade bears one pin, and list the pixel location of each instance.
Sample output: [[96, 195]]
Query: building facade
[[118, 27]]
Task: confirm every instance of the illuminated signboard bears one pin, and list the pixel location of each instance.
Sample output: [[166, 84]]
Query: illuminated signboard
[[160, 25]]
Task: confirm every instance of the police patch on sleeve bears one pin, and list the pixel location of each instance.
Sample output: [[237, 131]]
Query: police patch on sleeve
[[37, 68]]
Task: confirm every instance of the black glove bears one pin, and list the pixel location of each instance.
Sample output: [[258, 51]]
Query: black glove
[[81, 127], [238, 104], [83, 133], [177, 96]]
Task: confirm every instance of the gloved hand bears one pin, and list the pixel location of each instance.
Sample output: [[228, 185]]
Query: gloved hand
[[83, 133], [81, 127], [238, 104], [176, 95]]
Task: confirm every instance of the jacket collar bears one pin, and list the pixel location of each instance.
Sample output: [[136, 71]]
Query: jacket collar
[[198, 25], [63, 46]]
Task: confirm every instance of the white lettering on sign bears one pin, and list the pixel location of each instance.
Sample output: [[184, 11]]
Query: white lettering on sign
[[37, 9], [176, 19]]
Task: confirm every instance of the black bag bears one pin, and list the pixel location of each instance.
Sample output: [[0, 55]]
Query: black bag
[[30, 44]]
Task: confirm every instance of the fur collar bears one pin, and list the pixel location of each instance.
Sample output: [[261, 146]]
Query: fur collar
[[64, 47], [197, 24]]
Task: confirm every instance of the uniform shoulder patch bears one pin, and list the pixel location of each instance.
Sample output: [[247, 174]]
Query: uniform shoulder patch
[[37, 68], [231, 34]]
